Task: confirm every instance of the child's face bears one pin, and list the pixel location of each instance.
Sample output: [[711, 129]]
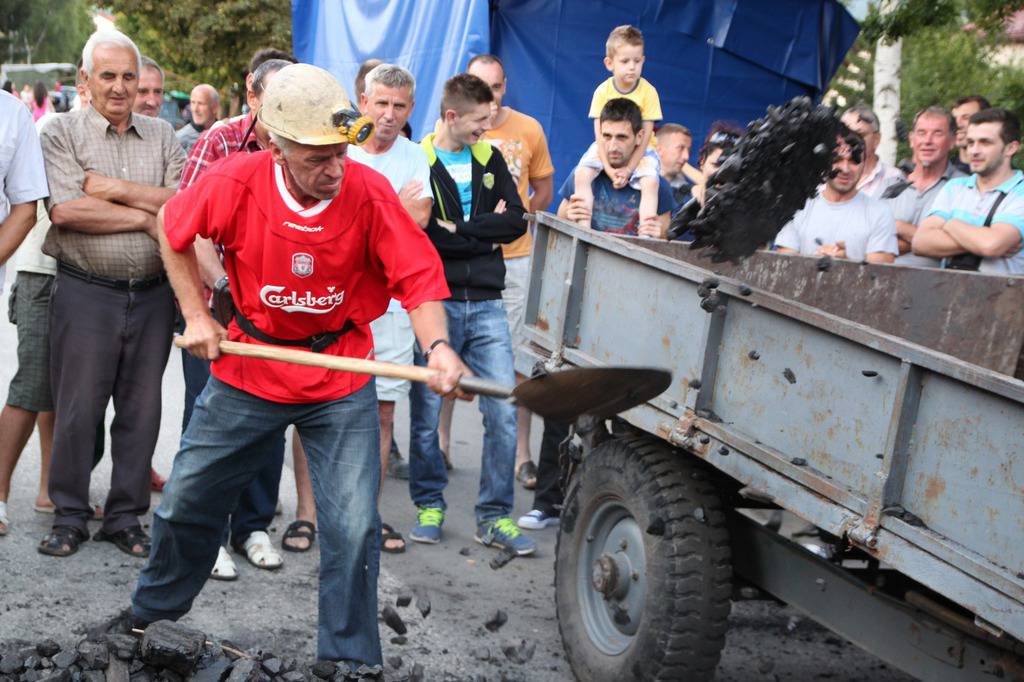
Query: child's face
[[626, 64]]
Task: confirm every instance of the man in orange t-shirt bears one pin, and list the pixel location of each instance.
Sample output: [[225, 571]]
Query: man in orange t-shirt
[[521, 141]]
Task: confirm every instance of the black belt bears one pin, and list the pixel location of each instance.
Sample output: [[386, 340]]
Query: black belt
[[133, 284], [317, 343]]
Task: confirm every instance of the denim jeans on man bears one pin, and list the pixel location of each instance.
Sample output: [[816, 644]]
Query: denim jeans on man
[[258, 503], [228, 441], [478, 331]]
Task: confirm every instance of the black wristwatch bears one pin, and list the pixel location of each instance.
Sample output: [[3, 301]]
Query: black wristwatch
[[435, 344]]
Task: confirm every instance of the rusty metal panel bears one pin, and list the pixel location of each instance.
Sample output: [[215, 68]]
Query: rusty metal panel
[[977, 318], [965, 470], [805, 395]]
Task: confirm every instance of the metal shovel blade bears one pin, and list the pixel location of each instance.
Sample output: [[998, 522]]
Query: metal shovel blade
[[595, 391]]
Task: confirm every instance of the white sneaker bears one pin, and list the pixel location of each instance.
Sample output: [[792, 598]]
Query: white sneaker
[[225, 568], [536, 520]]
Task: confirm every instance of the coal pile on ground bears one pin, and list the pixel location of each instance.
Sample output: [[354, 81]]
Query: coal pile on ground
[[763, 180], [165, 652]]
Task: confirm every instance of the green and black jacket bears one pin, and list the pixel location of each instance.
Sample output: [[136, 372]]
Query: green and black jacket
[[473, 263]]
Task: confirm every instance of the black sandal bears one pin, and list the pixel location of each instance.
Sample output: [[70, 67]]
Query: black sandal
[[299, 529], [126, 539], [391, 534], [62, 541]]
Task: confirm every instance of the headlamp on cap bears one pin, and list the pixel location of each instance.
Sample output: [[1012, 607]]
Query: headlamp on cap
[[356, 128]]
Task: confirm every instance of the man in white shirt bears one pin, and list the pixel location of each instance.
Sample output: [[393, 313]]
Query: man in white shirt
[[878, 176], [388, 99], [22, 184], [841, 222]]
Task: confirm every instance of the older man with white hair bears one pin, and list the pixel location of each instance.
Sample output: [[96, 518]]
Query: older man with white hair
[[204, 103], [112, 310]]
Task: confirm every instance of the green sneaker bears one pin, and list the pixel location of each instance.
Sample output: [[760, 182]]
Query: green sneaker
[[505, 534], [428, 525]]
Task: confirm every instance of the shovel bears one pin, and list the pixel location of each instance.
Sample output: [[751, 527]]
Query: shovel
[[562, 395]]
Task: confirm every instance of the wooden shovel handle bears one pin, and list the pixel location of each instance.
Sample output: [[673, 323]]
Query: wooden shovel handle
[[343, 364]]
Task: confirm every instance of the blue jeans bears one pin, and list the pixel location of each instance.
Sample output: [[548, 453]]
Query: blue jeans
[[479, 333], [228, 441], [258, 503]]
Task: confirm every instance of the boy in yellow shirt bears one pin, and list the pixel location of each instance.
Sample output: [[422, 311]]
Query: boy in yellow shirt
[[625, 59]]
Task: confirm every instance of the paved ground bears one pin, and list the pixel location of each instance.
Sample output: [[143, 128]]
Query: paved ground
[[46, 597]]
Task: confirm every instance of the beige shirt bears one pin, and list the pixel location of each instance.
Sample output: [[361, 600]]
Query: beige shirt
[[147, 153]]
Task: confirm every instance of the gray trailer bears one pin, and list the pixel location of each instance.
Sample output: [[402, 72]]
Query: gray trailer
[[875, 402]]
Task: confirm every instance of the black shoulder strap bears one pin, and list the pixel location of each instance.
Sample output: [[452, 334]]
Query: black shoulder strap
[[995, 205]]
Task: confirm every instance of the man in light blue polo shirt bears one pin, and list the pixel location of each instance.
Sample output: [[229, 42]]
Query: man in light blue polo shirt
[[956, 223]]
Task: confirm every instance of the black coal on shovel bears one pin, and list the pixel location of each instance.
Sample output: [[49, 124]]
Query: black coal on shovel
[[562, 395]]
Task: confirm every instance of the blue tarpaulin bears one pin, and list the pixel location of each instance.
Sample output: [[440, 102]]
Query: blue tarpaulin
[[432, 39], [727, 59]]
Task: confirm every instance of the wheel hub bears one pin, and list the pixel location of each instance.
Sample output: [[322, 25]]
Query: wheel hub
[[611, 575]]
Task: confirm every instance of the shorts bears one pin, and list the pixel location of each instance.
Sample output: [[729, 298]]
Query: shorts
[[393, 341], [649, 166], [517, 280], [29, 309]]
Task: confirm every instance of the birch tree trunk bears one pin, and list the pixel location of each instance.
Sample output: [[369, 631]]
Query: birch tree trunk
[[887, 93]]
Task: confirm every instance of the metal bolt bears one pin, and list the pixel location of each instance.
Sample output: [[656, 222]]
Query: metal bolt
[[635, 575], [623, 544]]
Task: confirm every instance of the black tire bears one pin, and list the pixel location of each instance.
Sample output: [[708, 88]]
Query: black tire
[[682, 598]]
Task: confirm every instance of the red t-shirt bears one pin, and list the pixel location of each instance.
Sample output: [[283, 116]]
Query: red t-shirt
[[296, 272]]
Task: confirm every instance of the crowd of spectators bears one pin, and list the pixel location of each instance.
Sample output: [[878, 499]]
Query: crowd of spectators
[[90, 282]]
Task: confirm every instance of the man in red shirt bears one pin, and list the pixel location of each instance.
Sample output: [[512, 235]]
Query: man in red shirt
[[314, 246]]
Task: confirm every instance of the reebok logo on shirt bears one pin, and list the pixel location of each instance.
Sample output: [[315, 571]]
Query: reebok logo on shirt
[[303, 228], [305, 302]]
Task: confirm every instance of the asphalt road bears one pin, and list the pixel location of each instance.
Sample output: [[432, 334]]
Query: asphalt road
[[276, 611]]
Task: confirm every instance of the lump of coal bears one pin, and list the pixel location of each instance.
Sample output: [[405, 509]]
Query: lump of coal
[[47, 648], [404, 599], [215, 672], [695, 383], [395, 662], [272, 666], [496, 621], [745, 290], [65, 659], [869, 373], [122, 646], [324, 669], [656, 526], [117, 671], [790, 377], [245, 670], [417, 674], [824, 264], [422, 602], [521, 653], [798, 461], [167, 644], [502, 558], [766, 178], [393, 620], [94, 654], [465, 551], [754, 355]]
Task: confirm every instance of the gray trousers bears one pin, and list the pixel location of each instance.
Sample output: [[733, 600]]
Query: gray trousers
[[106, 343]]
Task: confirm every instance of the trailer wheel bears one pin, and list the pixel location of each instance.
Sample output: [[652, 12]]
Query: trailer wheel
[[643, 570]]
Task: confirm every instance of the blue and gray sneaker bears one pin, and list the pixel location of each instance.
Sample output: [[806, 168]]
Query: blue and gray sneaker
[[503, 533], [428, 525]]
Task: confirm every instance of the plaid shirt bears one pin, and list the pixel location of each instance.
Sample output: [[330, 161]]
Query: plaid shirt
[[220, 141], [147, 153]]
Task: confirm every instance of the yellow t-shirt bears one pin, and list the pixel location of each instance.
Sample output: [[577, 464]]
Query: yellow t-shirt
[[521, 141], [644, 94]]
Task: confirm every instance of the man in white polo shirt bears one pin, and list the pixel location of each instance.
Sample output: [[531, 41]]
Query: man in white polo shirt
[[976, 222]]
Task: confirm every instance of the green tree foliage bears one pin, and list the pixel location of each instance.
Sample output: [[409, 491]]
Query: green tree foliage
[[944, 57], [43, 30], [906, 17], [209, 42]]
